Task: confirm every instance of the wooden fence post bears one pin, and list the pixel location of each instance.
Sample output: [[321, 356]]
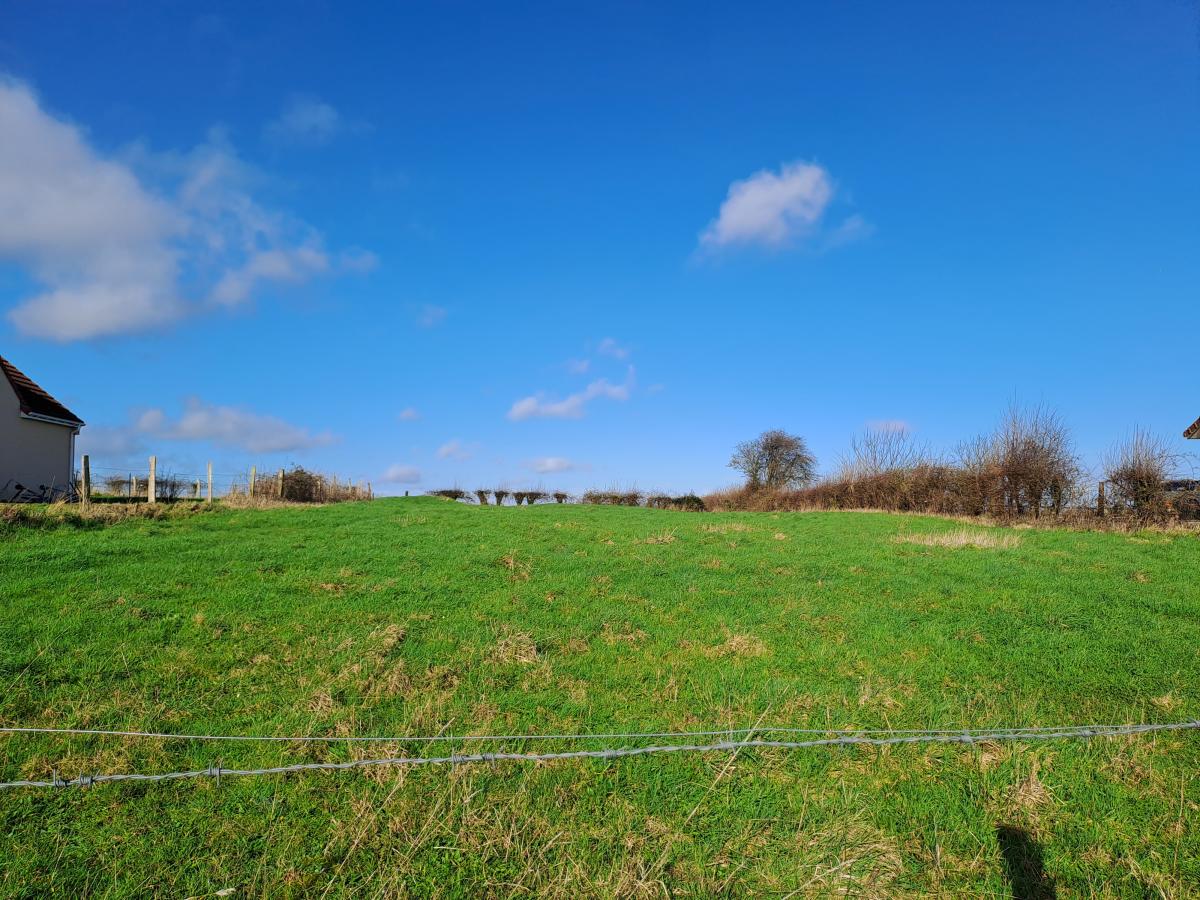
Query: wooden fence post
[[370, 491], [279, 487], [151, 482], [208, 499], [197, 495], [253, 472], [1100, 500], [132, 488], [86, 474]]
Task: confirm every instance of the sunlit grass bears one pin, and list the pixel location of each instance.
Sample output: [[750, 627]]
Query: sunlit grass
[[423, 616]]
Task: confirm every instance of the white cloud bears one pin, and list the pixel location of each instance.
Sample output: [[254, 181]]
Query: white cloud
[[294, 265], [305, 120], [578, 366], [109, 443], [358, 261], [771, 208], [853, 228], [549, 465], [408, 414], [609, 347], [228, 426], [572, 406], [431, 315], [453, 449], [113, 241], [84, 227], [401, 474]]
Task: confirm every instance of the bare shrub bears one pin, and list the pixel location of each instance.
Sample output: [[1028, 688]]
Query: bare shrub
[[561, 497], [299, 485], [500, 494], [169, 488], [519, 497], [482, 495], [1137, 470], [1038, 466], [449, 493], [117, 485], [687, 502], [879, 450], [532, 497]]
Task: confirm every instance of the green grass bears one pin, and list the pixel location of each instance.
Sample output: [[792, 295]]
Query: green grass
[[420, 616]]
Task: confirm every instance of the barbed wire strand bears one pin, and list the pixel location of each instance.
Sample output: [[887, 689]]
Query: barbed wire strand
[[965, 737]]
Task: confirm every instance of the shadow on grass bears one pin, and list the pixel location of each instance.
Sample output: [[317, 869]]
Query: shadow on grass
[[1023, 864]]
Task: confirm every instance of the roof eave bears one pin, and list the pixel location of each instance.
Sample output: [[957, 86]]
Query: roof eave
[[52, 420]]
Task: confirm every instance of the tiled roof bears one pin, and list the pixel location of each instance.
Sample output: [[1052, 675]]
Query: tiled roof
[[1193, 430], [35, 401]]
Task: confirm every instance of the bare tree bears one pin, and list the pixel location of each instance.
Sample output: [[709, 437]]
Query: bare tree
[[775, 460]]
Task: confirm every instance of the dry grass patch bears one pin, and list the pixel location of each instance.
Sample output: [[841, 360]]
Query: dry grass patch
[[627, 634], [737, 645], [662, 537], [516, 646], [962, 537], [725, 527], [518, 569]]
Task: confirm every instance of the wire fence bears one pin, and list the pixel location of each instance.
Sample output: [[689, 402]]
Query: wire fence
[[872, 738], [159, 481]]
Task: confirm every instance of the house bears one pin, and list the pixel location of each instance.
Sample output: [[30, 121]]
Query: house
[[1193, 431], [37, 440]]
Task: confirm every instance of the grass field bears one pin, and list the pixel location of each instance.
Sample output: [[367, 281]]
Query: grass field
[[422, 616]]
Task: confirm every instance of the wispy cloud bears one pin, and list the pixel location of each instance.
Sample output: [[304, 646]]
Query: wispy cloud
[[573, 406], [551, 465], [453, 449], [113, 241], [771, 208], [431, 316], [578, 366], [229, 426], [609, 347], [305, 120], [408, 414], [401, 474]]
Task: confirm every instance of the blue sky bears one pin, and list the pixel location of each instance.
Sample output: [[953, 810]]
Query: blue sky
[[578, 245]]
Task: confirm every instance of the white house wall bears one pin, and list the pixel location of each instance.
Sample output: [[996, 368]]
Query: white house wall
[[31, 453]]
